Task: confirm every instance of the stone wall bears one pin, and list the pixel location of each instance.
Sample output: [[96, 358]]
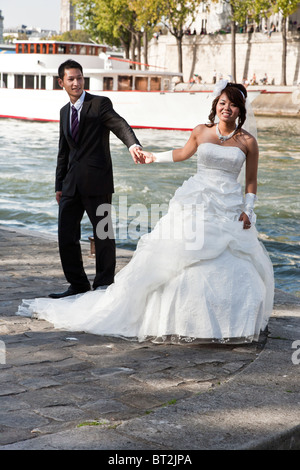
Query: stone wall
[[256, 53]]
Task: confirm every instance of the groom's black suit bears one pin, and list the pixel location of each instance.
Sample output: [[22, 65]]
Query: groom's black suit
[[84, 175]]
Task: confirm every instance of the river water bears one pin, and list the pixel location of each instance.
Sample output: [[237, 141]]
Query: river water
[[28, 157]]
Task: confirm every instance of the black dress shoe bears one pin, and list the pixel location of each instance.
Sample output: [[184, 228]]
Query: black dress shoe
[[70, 291]]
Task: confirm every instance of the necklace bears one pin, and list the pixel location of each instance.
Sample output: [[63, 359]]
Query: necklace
[[223, 138]]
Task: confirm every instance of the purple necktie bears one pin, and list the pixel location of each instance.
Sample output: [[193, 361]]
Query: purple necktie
[[74, 123]]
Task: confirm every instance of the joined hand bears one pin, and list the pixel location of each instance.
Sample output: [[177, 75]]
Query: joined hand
[[143, 157]]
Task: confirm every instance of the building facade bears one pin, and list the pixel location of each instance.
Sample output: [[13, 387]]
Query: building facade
[[215, 16], [206, 48], [67, 16]]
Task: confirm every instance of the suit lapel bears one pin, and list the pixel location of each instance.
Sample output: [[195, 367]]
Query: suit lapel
[[66, 121], [85, 107]]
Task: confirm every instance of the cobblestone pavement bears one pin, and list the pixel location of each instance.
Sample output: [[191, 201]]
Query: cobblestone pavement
[[54, 381]]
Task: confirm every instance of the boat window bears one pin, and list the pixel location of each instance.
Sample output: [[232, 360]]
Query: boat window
[[50, 50], [155, 84], [61, 49], [141, 83], [31, 48], [166, 84], [124, 83], [29, 81], [44, 49], [86, 83], [82, 50], [18, 81], [108, 83], [25, 48], [38, 48], [72, 50], [43, 82], [3, 83]]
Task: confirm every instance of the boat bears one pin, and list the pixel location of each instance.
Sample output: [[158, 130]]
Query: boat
[[148, 98]]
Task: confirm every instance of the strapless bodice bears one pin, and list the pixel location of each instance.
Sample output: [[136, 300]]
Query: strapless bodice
[[217, 158]]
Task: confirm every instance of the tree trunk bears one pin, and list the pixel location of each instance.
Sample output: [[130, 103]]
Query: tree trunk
[[145, 39], [284, 51], [132, 50], [139, 49], [126, 47], [233, 52], [179, 50]]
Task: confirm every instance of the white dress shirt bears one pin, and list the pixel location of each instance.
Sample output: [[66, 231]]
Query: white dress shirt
[[78, 105]]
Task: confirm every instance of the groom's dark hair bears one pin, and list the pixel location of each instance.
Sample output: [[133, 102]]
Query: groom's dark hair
[[68, 64]]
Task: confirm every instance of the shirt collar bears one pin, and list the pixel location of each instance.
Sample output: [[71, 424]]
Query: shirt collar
[[78, 104]]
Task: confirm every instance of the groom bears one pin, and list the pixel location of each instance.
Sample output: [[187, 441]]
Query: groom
[[84, 177]]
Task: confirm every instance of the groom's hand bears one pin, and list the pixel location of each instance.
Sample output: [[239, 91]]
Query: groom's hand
[[58, 196], [136, 153]]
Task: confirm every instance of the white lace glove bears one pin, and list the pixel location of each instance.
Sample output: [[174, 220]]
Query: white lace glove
[[249, 201], [164, 157]]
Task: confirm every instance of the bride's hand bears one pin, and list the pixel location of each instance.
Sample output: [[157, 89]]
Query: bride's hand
[[245, 219], [148, 157]]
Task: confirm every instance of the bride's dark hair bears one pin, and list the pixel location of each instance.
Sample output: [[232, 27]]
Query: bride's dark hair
[[237, 94]]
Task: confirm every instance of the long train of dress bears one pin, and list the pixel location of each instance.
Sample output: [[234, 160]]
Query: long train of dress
[[197, 276]]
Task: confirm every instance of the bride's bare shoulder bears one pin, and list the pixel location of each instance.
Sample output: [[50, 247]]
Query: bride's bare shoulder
[[248, 139], [201, 129], [202, 132]]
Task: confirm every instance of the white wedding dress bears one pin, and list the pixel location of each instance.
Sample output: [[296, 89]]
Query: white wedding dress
[[197, 276]]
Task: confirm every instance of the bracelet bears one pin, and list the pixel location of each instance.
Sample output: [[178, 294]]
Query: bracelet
[[164, 157]]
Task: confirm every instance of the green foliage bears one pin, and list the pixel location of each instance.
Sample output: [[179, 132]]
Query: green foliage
[[102, 19], [85, 15], [256, 9], [286, 7], [76, 35], [260, 9], [148, 13], [178, 15]]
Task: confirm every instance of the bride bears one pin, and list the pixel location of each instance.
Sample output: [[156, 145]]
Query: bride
[[202, 273]]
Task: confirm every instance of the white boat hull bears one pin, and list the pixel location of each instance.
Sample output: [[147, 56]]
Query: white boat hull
[[153, 110]]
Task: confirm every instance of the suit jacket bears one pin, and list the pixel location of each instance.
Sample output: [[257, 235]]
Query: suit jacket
[[86, 165]]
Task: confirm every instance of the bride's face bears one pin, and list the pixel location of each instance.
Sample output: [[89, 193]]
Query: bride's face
[[226, 110]]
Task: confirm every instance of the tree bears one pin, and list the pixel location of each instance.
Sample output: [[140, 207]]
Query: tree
[[147, 17], [126, 22], [238, 14], [116, 22], [105, 21], [85, 15], [178, 16], [259, 9], [286, 8]]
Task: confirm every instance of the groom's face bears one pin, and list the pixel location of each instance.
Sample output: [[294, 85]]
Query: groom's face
[[73, 83]]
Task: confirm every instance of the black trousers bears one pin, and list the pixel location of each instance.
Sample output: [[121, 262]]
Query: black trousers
[[71, 211]]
